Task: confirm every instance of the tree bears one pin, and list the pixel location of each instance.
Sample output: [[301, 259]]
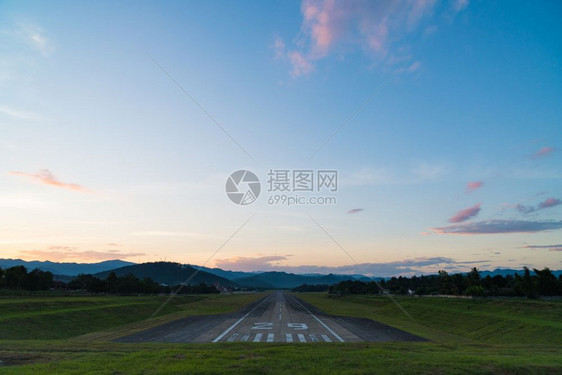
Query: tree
[[526, 285], [111, 282], [37, 280], [473, 277], [15, 277], [546, 282], [445, 283]]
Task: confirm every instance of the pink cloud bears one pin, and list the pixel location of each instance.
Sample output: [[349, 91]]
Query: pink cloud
[[45, 177], [372, 26], [550, 202], [474, 185], [354, 210], [547, 203], [543, 152], [301, 65], [467, 213]]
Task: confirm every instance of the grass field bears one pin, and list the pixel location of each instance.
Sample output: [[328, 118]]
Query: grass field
[[72, 335]]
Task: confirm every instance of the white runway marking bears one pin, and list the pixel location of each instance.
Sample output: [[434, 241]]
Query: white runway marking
[[313, 337], [297, 326], [288, 337], [238, 321], [326, 338], [321, 322], [301, 337], [245, 338], [258, 337], [263, 326], [270, 337]]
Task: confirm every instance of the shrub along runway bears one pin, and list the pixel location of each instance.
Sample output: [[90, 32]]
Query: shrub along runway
[[278, 317]]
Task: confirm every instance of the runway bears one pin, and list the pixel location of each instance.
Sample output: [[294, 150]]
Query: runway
[[278, 317]]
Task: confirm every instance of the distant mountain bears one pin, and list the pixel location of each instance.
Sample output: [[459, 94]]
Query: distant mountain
[[507, 271], [168, 273], [69, 269], [283, 280], [350, 276], [230, 275]]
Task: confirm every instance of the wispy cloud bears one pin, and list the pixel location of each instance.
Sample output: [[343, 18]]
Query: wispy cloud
[[548, 247], [36, 38], [383, 269], [464, 215], [473, 185], [543, 152], [338, 27], [354, 210], [301, 65], [45, 177], [18, 114], [499, 226], [547, 203]]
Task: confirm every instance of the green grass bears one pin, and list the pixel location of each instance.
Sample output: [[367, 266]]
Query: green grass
[[59, 317], [491, 321], [493, 336]]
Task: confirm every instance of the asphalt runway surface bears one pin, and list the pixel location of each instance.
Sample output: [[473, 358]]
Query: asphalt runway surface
[[278, 317]]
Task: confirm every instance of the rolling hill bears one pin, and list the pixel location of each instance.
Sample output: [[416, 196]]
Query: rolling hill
[[168, 273], [67, 269]]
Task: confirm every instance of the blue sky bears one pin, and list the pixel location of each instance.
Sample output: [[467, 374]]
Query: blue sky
[[102, 156]]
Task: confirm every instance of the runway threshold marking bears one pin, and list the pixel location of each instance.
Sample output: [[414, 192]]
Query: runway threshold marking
[[258, 337], [239, 320], [288, 337], [301, 337], [326, 338], [319, 321], [270, 337]]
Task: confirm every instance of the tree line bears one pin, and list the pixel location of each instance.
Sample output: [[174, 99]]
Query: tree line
[[18, 278], [532, 284]]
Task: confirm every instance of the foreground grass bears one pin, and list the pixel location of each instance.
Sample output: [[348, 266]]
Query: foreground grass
[[249, 358], [493, 336]]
